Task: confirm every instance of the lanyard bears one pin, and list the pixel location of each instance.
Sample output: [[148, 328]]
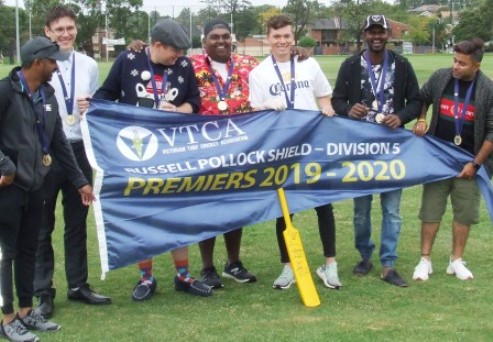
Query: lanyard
[[459, 119], [378, 87], [222, 92], [40, 117], [69, 101], [290, 100], [164, 84]]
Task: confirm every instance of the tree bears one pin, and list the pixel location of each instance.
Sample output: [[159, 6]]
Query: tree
[[473, 23], [301, 12], [7, 30]]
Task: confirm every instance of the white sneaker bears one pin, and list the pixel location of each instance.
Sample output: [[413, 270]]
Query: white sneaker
[[328, 273], [458, 268], [285, 280], [423, 270]]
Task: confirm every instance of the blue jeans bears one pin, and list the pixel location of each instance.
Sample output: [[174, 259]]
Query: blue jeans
[[391, 226]]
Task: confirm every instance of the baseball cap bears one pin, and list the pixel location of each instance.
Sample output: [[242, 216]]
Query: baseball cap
[[41, 47], [216, 23], [169, 32], [376, 19]]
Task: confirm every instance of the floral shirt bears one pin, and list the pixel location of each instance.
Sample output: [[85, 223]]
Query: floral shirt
[[238, 92]]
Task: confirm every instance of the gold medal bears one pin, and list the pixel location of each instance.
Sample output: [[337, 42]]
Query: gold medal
[[457, 140], [47, 160], [222, 105], [379, 117], [70, 119], [374, 105]]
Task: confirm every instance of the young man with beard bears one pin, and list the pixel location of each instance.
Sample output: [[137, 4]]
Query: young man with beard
[[222, 78], [159, 77], [377, 85], [282, 72], [31, 135], [462, 113], [75, 77]]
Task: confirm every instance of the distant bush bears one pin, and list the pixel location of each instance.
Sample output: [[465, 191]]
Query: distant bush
[[307, 42]]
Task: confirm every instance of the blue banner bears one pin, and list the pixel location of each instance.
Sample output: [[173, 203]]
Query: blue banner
[[165, 180]]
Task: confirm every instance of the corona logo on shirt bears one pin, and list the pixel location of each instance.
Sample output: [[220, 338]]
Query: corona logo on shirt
[[137, 143]]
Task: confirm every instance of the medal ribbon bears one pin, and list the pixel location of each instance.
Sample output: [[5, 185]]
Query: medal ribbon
[[69, 101], [222, 92], [40, 117], [378, 87], [164, 84], [459, 119], [290, 99]]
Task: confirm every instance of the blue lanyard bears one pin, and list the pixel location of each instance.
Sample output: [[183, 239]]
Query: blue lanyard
[[459, 119], [222, 92], [289, 100], [69, 101], [164, 84], [40, 117], [378, 87]]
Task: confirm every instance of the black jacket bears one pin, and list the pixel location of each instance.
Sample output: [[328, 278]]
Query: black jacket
[[347, 90], [20, 148]]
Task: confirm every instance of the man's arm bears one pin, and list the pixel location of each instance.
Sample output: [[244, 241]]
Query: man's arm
[[340, 94]]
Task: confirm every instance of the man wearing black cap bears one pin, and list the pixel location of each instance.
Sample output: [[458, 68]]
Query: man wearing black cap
[[222, 77], [30, 134], [377, 86], [159, 77]]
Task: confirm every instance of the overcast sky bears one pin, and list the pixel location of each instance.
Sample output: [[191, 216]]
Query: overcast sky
[[174, 7]]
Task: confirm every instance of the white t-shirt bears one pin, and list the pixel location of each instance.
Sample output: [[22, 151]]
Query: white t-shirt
[[86, 83], [310, 81]]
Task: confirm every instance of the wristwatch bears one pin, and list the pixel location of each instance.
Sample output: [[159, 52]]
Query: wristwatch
[[475, 165]]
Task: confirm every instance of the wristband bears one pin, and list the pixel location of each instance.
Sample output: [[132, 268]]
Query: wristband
[[475, 165]]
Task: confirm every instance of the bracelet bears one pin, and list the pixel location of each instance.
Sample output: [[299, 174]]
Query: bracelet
[[422, 120]]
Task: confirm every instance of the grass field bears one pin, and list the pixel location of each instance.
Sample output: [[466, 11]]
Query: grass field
[[365, 309]]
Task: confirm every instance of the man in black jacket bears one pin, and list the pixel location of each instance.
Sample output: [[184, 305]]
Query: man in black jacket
[[377, 85], [30, 134]]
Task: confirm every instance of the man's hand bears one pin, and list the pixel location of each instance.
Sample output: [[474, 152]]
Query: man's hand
[[302, 53], [86, 195], [136, 45], [328, 110], [6, 180], [420, 127], [275, 104], [391, 120], [468, 171], [83, 104], [358, 111]]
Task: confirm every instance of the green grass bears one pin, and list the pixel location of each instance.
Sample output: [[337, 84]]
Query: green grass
[[365, 309]]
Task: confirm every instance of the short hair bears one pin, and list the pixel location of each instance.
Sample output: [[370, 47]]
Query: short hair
[[473, 47], [278, 21], [59, 11]]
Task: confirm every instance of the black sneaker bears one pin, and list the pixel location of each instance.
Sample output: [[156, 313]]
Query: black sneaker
[[237, 272], [16, 331], [34, 320], [394, 278], [210, 278], [194, 288], [144, 289], [363, 267]]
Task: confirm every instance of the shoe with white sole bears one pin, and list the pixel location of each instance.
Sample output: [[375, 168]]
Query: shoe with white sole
[[423, 270], [458, 268], [285, 280], [329, 275]]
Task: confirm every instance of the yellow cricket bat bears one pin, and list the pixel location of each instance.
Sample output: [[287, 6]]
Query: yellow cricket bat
[[296, 252]]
